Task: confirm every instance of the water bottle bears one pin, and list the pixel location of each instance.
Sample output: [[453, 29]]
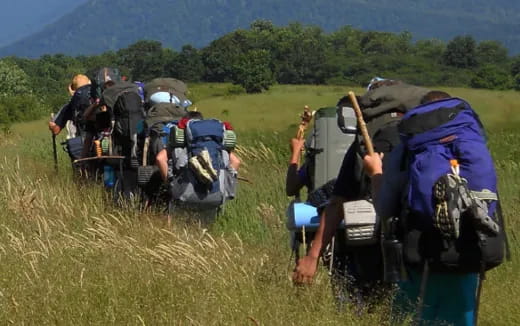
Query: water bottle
[[392, 253], [392, 260], [108, 176]]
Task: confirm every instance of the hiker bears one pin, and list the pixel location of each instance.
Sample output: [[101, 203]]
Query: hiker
[[383, 106], [317, 173], [72, 116], [79, 89], [203, 168], [160, 150], [450, 234]]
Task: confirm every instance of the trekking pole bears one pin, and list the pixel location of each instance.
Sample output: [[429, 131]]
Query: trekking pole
[[481, 279], [361, 123], [54, 151]]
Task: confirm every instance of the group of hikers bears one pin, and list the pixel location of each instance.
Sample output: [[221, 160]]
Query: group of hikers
[[146, 143], [410, 213], [402, 197]]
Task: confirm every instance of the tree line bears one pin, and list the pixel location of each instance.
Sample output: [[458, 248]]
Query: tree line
[[254, 59]]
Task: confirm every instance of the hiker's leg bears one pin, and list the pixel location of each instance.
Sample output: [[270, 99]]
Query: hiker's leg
[[458, 299], [407, 297], [87, 143]]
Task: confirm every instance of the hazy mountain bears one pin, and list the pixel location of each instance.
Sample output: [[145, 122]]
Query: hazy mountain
[[101, 25], [20, 18]]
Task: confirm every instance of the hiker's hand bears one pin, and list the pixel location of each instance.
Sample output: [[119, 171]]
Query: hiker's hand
[[305, 270], [54, 128], [297, 145], [373, 164]]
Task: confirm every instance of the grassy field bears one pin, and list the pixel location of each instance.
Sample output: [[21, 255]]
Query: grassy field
[[67, 256]]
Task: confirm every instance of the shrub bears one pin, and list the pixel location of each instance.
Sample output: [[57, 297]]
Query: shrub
[[491, 77]]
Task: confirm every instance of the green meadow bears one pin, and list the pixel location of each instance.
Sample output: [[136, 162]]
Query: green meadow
[[68, 256]]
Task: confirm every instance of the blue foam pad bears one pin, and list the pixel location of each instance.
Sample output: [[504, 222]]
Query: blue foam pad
[[300, 215]]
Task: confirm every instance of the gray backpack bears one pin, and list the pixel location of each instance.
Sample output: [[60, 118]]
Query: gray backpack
[[327, 144]]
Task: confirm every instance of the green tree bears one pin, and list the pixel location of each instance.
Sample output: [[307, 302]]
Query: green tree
[[17, 101], [515, 65], [252, 71], [13, 80], [143, 59], [492, 77], [188, 65], [223, 54], [430, 49], [491, 52], [461, 52]]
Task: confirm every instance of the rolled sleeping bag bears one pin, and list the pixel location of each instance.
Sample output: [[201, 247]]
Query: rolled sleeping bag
[[301, 215], [165, 97]]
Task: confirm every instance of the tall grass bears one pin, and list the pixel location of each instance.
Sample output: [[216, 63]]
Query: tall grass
[[68, 256]]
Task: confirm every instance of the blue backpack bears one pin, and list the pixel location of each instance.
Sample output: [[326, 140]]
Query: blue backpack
[[187, 142], [445, 141]]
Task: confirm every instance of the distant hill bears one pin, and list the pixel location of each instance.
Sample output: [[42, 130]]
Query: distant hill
[[21, 18], [101, 25]]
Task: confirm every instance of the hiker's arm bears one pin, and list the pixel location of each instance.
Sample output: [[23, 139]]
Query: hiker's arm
[[293, 182], [88, 114], [329, 221], [234, 161], [373, 165]]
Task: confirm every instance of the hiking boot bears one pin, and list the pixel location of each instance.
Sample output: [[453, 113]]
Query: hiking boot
[[201, 173], [205, 160], [481, 219], [453, 198], [448, 205]]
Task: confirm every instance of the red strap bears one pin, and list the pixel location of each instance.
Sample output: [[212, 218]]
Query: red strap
[[227, 125], [183, 123]]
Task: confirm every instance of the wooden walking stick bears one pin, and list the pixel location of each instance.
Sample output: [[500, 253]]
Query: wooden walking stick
[[361, 123], [306, 118]]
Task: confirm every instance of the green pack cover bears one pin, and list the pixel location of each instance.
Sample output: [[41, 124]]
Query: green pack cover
[[328, 144]]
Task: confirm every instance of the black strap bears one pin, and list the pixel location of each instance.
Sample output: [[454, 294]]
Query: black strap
[[422, 293], [420, 123], [502, 224]]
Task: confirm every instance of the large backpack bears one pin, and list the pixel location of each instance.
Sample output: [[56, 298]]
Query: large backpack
[[434, 135], [127, 112], [187, 139], [159, 121], [327, 146], [175, 88], [336, 132], [99, 77]]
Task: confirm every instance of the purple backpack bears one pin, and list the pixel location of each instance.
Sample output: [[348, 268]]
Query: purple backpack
[[434, 134]]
